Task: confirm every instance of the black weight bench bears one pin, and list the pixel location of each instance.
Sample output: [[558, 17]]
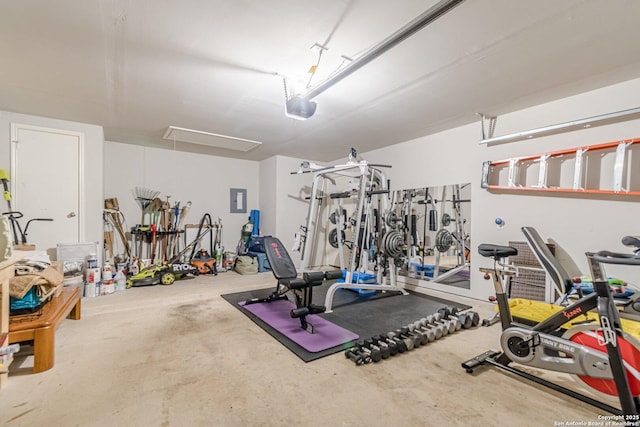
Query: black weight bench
[[286, 275]]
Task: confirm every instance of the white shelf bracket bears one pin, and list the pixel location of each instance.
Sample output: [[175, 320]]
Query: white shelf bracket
[[489, 128]]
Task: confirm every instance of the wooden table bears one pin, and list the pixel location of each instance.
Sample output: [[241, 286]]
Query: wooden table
[[7, 271], [41, 327]]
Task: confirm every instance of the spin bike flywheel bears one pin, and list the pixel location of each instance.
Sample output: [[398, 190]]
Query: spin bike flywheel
[[629, 348]]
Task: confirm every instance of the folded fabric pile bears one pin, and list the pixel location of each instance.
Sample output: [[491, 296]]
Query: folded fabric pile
[[34, 273]]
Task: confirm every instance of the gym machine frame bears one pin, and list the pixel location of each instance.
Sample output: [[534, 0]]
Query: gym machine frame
[[444, 238], [527, 345], [372, 182]]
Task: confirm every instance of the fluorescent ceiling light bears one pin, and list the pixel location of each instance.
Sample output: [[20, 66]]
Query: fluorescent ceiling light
[[174, 133]]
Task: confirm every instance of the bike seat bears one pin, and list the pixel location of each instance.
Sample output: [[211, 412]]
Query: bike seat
[[496, 251], [631, 241]]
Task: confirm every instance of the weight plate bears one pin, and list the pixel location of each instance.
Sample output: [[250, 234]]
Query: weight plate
[[333, 237], [444, 240]]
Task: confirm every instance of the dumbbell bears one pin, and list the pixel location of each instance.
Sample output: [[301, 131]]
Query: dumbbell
[[461, 320], [391, 345], [475, 318], [404, 333], [431, 322], [436, 319], [437, 330], [374, 353], [383, 348], [408, 342], [452, 314], [353, 354], [400, 345], [418, 337], [433, 332], [468, 320], [429, 333]]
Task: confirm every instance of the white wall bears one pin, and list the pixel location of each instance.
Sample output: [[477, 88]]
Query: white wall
[[282, 199], [203, 180], [268, 196], [291, 210], [93, 144], [576, 223]]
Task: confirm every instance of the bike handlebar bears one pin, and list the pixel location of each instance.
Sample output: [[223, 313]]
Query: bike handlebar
[[608, 257]]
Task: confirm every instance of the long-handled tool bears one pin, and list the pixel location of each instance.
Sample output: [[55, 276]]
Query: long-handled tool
[[219, 245], [4, 177], [179, 221], [165, 228], [112, 208], [144, 197], [154, 230]]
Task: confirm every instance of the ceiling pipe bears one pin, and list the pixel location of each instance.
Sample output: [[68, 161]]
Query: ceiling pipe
[[403, 33]]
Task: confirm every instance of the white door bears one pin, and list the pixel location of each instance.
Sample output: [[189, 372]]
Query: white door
[[46, 182]]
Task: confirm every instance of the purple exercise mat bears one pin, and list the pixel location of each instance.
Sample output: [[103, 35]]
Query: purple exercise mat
[[276, 314]]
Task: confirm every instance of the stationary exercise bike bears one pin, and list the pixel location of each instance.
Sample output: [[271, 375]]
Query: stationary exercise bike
[[602, 355]]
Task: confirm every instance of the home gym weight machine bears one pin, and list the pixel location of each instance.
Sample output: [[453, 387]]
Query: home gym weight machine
[[377, 243], [602, 355]]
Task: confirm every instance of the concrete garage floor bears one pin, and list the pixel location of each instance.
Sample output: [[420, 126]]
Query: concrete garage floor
[[182, 356]]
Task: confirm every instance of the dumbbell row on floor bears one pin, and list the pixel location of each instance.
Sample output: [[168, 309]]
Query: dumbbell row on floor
[[421, 332], [383, 346]]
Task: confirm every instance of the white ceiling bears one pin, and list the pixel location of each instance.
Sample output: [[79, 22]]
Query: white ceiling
[[136, 67]]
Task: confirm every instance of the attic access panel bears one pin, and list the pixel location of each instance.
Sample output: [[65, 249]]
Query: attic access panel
[[209, 139]]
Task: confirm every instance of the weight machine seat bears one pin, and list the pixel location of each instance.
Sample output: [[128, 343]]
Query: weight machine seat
[[295, 283], [550, 263], [279, 260], [496, 251], [317, 278], [285, 272]]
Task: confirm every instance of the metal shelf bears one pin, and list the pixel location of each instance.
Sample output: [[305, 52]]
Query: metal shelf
[[604, 119]]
